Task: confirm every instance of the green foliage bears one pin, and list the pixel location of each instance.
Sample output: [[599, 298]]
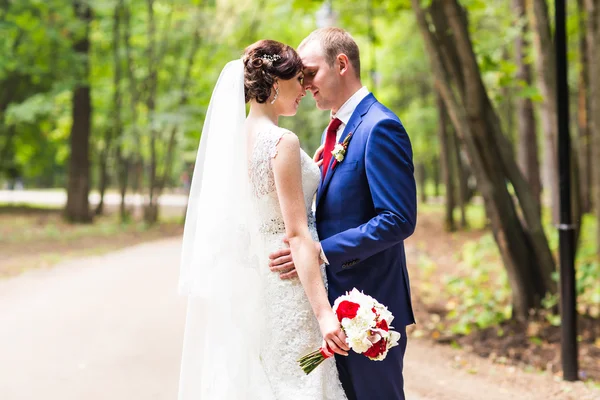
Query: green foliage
[[587, 271], [480, 290], [35, 74], [37, 38], [480, 296]]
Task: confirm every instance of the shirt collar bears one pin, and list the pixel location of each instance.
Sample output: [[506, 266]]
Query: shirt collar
[[347, 109]]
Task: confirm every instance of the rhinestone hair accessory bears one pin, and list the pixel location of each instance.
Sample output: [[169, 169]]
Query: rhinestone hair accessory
[[271, 57]]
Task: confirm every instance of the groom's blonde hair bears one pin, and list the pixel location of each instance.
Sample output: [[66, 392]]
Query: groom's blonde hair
[[335, 41]]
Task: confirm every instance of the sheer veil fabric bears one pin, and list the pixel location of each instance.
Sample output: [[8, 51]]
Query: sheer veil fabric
[[220, 257]]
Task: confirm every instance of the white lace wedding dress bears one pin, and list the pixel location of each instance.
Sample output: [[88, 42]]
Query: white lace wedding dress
[[290, 327]]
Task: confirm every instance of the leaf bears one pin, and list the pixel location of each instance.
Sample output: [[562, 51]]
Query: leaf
[[536, 340], [553, 319]]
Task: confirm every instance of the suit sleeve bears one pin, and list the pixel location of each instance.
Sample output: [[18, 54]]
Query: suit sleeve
[[390, 174]]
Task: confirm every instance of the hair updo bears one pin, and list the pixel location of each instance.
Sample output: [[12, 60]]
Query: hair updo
[[264, 62]]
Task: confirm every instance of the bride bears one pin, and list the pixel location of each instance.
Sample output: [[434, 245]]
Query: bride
[[253, 186]]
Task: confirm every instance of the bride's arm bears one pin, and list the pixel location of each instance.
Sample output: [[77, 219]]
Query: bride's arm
[[288, 181]]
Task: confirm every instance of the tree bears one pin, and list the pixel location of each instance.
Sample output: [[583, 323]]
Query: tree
[[113, 130], [521, 242], [583, 112], [527, 133], [183, 100], [151, 83], [593, 27], [461, 176], [78, 187], [546, 75], [446, 152]]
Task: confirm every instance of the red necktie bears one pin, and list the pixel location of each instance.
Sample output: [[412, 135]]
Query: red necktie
[[330, 140]]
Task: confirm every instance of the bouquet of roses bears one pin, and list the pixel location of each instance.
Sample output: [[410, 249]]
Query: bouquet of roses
[[366, 323]]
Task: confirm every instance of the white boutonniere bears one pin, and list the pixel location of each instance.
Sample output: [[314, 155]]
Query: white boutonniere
[[339, 151]]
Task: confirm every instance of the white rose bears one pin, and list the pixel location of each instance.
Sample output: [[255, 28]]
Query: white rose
[[384, 313], [360, 343], [393, 340]]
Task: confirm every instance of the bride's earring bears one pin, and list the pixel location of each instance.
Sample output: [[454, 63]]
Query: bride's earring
[[276, 94]]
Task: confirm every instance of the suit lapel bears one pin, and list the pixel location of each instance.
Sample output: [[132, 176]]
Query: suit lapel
[[353, 124]]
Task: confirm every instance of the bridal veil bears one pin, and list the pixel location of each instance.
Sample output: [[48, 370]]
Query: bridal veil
[[219, 258]]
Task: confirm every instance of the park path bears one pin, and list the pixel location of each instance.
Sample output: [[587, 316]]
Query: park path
[[58, 198], [110, 328]]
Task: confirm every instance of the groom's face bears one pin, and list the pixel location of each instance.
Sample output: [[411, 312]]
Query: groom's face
[[319, 78]]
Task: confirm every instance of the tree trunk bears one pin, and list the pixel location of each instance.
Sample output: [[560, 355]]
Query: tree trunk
[[124, 170], [103, 176], [593, 25], [446, 163], [130, 164], [546, 74], [576, 211], [507, 106], [527, 137], [151, 208], [196, 41], [7, 149], [78, 187], [422, 178], [583, 114], [137, 176], [132, 87], [435, 171], [115, 130], [462, 177], [522, 244]]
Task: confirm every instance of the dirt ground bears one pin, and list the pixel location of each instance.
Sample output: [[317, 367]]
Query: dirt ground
[[111, 327], [507, 344]]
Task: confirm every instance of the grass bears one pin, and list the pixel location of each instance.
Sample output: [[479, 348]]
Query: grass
[[36, 237], [481, 255], [462, 284], [475, 214]]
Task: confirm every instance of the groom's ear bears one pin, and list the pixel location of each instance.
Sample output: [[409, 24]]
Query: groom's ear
[[344, 64]]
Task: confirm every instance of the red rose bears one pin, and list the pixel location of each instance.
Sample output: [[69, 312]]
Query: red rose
[[383, 325], [347, 309], [376, 349]]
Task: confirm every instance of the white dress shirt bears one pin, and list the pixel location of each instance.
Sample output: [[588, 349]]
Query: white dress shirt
[[347, 109]]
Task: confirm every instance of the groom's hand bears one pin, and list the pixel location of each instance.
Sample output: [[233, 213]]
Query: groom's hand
[[318, 158], [281, 262]]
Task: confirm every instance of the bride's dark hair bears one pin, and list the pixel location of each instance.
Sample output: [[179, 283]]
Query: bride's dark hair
[[265, 61]]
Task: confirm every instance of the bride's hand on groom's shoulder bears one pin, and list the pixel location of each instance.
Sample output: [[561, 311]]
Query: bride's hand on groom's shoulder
[[318, 157]]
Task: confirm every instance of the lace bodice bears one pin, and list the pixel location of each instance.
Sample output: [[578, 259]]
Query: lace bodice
[[263, 181], [290, 328]]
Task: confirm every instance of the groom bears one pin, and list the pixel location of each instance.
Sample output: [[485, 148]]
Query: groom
[[366, 203]]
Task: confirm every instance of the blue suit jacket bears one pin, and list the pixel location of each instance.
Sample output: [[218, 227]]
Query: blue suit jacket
[[366, 206]]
